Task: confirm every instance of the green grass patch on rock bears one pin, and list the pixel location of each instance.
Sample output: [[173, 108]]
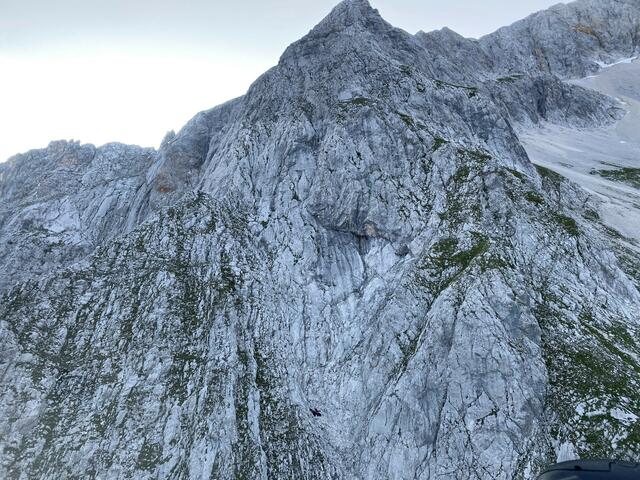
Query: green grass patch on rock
[[510, 78], [628, 176], [471, 91], [438, 143], [568, 223], [534, 198], [549, 174]]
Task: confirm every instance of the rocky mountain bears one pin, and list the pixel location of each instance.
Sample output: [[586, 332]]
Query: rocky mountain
[[353, 271]]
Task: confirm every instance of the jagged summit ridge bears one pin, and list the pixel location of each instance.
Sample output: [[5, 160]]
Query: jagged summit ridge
[[349, 13], [352, 22], [360, 8]]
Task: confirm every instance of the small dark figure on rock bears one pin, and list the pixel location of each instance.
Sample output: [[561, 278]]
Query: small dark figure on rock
[[315, 412]]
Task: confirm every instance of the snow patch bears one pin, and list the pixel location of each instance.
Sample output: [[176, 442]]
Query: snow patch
[[623, 416], [566, 452], [621, 61], [598, 412]]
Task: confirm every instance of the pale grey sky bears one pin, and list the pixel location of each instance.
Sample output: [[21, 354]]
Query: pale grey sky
[[130, 70]]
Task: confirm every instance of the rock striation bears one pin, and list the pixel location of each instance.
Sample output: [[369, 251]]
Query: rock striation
[[362, 234]]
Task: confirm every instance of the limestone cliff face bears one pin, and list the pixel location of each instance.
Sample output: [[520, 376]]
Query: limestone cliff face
[[567, 40], [58, 204], [363, 234]]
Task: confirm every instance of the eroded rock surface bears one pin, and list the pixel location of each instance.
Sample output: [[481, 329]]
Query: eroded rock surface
[[362, 234]]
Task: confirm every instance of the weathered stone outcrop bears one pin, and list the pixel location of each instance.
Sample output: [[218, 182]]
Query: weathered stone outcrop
[[363, 234]]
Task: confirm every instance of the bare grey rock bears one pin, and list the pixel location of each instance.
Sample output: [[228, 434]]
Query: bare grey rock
[[568, 39], [363, 234], [58, 204]]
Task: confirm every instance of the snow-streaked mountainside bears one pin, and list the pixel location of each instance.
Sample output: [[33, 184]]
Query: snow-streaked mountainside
[[362, 234]]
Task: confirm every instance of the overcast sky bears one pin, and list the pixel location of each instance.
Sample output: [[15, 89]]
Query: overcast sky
[[130, 70]]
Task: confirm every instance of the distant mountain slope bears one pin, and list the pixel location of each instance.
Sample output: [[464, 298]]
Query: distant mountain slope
[[605, 161], [361, 236]]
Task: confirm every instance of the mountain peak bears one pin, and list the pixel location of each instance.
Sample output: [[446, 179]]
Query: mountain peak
[[357, 15], [353, 271], [349, 12], [353, 5]]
